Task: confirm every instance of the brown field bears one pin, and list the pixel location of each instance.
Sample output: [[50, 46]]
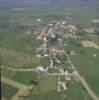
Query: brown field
[[90, 44]]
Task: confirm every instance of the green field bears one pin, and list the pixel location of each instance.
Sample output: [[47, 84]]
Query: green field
[[25, 77], [87, 65], [46, 90], [7, 91]]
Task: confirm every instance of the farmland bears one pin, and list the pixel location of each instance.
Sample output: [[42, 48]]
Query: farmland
[[89, 67], [47, 89], [5, 90], [19, 77], [86, 63]]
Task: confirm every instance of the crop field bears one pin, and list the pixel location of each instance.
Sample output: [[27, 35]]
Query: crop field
[[87, 64], [8, 91], [89, 67], [46, 90], [25, 77]]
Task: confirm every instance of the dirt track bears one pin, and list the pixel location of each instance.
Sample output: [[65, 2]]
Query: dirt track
[[18, 69], [13, 83], [90, 44], [3, 98], [23, 89]]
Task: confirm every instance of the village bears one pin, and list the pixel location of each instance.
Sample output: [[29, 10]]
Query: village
[[47, 49], [53, 47]]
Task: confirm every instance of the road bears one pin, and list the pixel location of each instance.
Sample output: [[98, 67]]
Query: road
[[12, 83], [18, 69], [55, 74]]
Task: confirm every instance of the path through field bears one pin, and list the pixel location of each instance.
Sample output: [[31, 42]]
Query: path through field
[[23, 89], [18, 69]]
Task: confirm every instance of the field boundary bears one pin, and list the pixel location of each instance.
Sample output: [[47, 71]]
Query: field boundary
[[23, 89]]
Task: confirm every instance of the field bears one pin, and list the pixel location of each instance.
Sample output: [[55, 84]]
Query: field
[[47, 89], [25, 77], [87, 64], [88, 67], [8, 91]]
